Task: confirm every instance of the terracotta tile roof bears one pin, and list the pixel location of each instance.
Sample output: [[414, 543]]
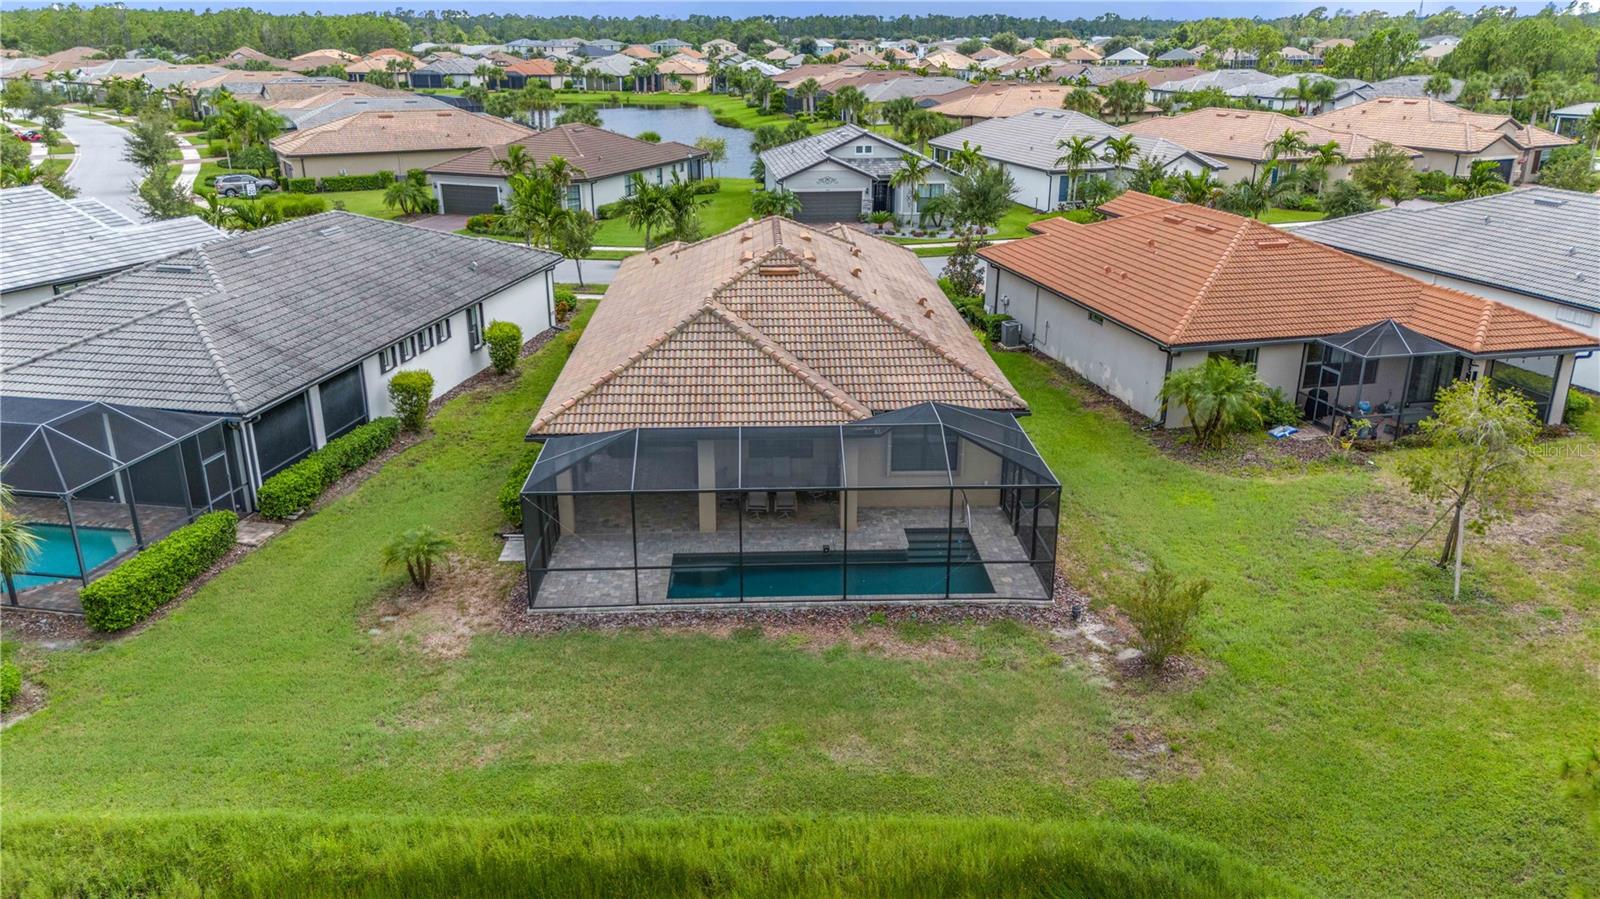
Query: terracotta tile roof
[[1244, 134], [1429, 124], [1034, 53], [772, 323], [1133, 203], [401, 131], [536, 67], [640, 51], [1162, 74], [682, 65], [1002, 100], [1081, 54], [1186, 275], [596, 152]]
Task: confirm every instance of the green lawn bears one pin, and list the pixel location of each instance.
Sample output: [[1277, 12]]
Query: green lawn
[[1280, 216], [1355, 731], [723, 209]]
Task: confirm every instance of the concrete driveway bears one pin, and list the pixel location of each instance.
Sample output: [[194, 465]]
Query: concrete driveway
[[449, 223]]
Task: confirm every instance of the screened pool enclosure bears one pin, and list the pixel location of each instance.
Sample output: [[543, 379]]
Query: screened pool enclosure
[[96, 482], [928, 503]]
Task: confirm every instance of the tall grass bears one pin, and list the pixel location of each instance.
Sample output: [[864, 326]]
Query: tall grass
[[258, 855]]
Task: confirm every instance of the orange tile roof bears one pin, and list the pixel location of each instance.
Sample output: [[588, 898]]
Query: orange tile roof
[[1429, 124], [771, 323], [1245, 134], [1034, 53], [1133, 203], [400, 131], [1186, 275], [535, 67], [640, 51], [1081, 54], [1001, 100]]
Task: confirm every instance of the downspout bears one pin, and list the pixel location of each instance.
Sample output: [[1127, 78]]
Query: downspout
[[1161, 422]]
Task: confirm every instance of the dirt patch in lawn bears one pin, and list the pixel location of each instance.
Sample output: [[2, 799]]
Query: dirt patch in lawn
[[463, 600], [29, 699]]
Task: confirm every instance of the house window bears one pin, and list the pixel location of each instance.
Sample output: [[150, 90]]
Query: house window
[[863, 149], [408, 349], [627, 187], [388, 358], [424, 340], [940, 154], [1097, 318], [920, 449], [1063, 189], [441, 331], [574, 197], [1241, 355], [475, 326]]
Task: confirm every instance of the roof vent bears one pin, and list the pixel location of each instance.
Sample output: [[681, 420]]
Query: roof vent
[[1486, 220], [1548, 201], [1273, 242], [778, 269], [856, 271], [927, 313], [805, 235], [746, 235], [855, 251], [922, 301], [1204, 228], [175, 268], [746, 256], [330, 230], [1172, 218], [655, 260], [258, 251], [809, 256]]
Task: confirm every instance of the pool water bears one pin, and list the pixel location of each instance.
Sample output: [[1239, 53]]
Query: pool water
[[919, 569], [56, 556]]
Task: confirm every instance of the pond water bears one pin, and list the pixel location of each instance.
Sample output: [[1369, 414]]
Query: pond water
[[684, 125]]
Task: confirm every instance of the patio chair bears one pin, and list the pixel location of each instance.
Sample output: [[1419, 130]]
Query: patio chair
[[755, 502], [785, 504]]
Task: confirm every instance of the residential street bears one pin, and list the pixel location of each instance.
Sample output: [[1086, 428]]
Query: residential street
[[101, 172]]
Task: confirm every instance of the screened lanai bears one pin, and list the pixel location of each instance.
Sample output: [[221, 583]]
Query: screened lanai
[[96, 482], [928, 503], [1379, 378]]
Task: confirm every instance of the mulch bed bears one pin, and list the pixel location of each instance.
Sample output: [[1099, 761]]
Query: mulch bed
[[1067, 605]]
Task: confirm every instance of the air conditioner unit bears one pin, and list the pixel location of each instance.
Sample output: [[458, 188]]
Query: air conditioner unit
[[1011, 334]]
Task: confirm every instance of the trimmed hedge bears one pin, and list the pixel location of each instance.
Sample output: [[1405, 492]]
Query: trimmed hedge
[[1578, 405], [505, 344], [410, 392], [300, 185], [375, 181], [707, 186], [510, 496], [11, 680], [159, 573], [609, 210], [298, 486], [991, 326]]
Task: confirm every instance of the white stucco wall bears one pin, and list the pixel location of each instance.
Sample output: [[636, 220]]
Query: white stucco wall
[[18, 300], [1587, 372]]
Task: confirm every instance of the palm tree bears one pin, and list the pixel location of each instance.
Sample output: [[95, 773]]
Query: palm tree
[[1289, 143], [965, 158], [1323, 158], [849, 103], [1484, 180], [1119, 151], [537, 207], [1220, 396], [1123, 99], [775, 202], [1439, 85], [896, 111], [253, 215], [489, 73], [560, 172], [647, 208], [516, 161], [1475, 91], [1252, 196], [1200, 189], [1591, 129], [419, 551], [1513, 84], [806, 92], [407, 195], [1082, 101], [912, 173], [1079, 153], [1299, 92], [18, 544]]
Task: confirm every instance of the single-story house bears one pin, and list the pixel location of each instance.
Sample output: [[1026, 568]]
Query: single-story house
[[1127, 56], [1127, 300], [1414, 86], [611, 73], [961, 66], [640, 51], [1080, 54], [519, 75], [1537, 249], [459, 71], [721, 46], [669, 46], [1319, 50], [1177, 56], [51, 246], [1027, 146], [684, 73], [1568, 121], [287, 335], [842, 174], [389, 141], [1240, 138], [604, 163], [1222, 79], [1001, 100], [1449, 138], [1297, 57], [335, 105], [783, 414], [1273, 93]]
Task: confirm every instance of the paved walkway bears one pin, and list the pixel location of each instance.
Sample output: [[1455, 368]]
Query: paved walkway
[[191, 165]]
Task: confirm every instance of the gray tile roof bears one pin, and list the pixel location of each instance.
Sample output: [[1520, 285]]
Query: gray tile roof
[[1412, 86], [1223, 78], [47, 240], [301, 119], [1539, 241], [235, 325], [1030, 139], [1273, 88], [786, 160], [914, 86], [459, 65]]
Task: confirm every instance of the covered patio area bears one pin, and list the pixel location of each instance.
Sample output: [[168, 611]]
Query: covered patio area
[[933, 503]]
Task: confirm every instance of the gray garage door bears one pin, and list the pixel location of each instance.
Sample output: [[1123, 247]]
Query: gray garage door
[[468, 199], [829, 206]]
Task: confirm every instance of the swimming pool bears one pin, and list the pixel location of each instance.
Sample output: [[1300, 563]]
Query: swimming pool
[[920, 569], [56, 555]]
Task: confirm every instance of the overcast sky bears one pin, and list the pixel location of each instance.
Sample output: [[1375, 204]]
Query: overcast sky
[[1190, 9]]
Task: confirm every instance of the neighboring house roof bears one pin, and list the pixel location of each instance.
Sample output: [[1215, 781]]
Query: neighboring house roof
[[1273, 89], [640, 51], [1245, 134], [1294, 54], [1129, 55], [1032, 139], [223, 328], [1429, 124], [786, 160], [777, 54], [1332, 42], [948, 59], [617, 65], [1538, 241], [281, 95], [538, 68], [988, 53], [402, 131], [1219, 78], [1081, 54], [48, 240], [1131, 202], [72, 55], [1034, 53], [458, 65], [1177, 54], [931, 86], [595, 152], [341, 105], [1159, 77], [771, 323], [861, 61], [761, 66], [1412, 86], [998, 101], [682, 65], [1190, 276], [898, 54], [1576, 110]]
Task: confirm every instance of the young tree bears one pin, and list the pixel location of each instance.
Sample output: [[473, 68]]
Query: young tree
[[1387, 174], [1346, 198], [160, 197], [1162, 609], [579, 114], [1484, 180], [149, 143], [716, 150], [911, 174], [1199, 188], [1220, 396], [1438, 85], [1476, 459], [419, 551], [982, 197], [1570, 168], [647, 208], [574, 237]]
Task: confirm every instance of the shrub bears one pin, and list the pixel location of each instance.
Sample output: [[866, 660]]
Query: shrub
[[187, 125], [293, 206], [991, 326], [1433, 182], [726, 121], [505, 343], [566, 301], [217, 149], [10, 683], [707, 186], [1220, 396], [1162, 609], [159, 573], [296, 487], [610, 210], [1578, 405], [485, 223], [418, 551], [374, 181], [409, 393], [299, 185], [1276, 408], [510, 495]]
